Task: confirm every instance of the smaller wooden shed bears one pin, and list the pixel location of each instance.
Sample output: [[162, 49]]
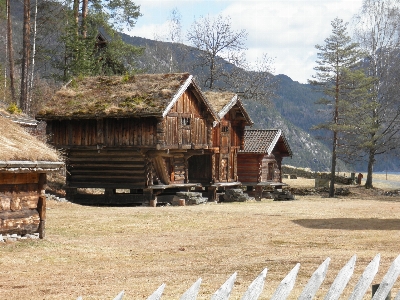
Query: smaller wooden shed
[[24, 162], [260, 161], [219, 162]]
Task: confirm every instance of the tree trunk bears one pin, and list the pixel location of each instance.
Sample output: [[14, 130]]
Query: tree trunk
[[76, 16], [333, 166], [25, 57], [371, 162], [84, 15], [33, 56], [10, 50]]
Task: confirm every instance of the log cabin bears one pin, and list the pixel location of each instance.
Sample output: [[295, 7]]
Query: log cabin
[[260, 161], [219, 163], [24, 163], [131, 136]]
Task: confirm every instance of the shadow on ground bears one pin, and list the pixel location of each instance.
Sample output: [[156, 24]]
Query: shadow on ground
[[350, 224]]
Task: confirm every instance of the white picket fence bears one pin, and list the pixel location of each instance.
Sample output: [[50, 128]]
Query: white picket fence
[[282, 292]]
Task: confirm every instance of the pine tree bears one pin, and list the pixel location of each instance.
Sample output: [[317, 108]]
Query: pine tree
[[82, 55], [336, 59]]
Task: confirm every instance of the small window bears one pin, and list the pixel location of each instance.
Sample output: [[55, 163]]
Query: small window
[[185, 121], [225, 129]]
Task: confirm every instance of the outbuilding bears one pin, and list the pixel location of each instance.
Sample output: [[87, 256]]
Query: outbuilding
[[260, 161], [24, 163], [219, 164], [132, 136]]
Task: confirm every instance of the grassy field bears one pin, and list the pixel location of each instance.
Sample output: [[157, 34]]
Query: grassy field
[[98, 251]]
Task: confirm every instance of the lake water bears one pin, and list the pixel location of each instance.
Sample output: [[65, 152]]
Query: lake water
[[394, 184]]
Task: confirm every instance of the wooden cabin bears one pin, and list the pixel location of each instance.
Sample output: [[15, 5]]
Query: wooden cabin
[[24, 162], [131, 133], [260, 161], [219, 164]]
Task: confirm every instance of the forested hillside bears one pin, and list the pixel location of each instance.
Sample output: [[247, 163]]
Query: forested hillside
[[292, 109]]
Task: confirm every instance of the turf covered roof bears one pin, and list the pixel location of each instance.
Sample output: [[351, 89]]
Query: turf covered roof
[[17, 145], [222, 102], [119, 96]]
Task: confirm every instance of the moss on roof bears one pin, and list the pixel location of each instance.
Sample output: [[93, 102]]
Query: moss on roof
[[18, 145], [218, 100], [143, 94]]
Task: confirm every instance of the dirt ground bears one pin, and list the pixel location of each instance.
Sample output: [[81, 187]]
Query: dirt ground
[[96, 252]]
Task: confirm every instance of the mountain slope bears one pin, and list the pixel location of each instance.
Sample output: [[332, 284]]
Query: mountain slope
[[292, 110]]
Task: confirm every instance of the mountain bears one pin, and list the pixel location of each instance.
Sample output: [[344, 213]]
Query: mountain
[[292, 110]]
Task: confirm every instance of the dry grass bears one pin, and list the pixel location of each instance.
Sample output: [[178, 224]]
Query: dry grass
[[17, 144], [98, 251], [115, 95], [219, 100]]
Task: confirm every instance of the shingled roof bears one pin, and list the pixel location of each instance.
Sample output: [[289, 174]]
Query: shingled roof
[[222, 103], [265, 141], [19, 150], [120, 96]]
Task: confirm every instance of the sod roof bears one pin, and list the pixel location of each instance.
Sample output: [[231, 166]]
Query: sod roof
[[222, 102], [18, 145], [119, 96]]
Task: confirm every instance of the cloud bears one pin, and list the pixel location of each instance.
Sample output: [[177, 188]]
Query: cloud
[[287, 30]]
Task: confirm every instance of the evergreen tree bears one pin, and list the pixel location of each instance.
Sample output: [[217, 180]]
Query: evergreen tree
[[84, 54], [336, 60]]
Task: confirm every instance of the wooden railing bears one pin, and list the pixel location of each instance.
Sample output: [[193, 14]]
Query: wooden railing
[[282, 292]]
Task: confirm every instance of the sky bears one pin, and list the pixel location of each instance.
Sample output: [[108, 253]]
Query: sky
[[286, 30]]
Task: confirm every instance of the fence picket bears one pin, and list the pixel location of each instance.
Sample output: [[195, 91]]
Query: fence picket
[[388, 280], [158, 293], [341, 280], [225, 290], [366, 278], [256, 287], [315, 281], [191, 293], [120, 296], [286, 285]]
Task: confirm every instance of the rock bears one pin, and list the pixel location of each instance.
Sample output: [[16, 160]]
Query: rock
[[280, 195], [236, 195], [191, 198]]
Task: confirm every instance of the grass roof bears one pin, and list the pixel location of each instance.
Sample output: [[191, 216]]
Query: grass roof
[[143, 94], [218, 100], [18, 145]]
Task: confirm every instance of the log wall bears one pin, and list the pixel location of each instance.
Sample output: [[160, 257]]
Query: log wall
[[108, 132], [106, 168], [249, 167], [254, 168], [22, 208]]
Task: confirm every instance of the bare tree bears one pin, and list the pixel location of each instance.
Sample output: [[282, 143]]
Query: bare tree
[[255, 81], [26, 45], [10, 50], [219, 49], [175, 32], [377, 31]]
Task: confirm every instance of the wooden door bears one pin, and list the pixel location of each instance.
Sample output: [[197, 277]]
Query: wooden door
[[270, 171], [224, 150]]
